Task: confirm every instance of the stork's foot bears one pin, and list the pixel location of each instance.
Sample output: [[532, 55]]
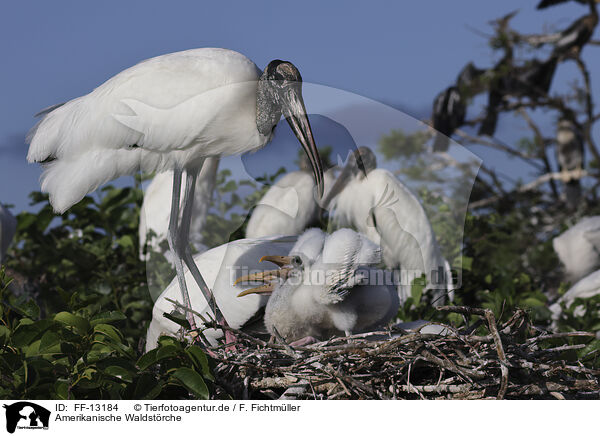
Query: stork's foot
[[230, 338], [230, 341], [308, 340]]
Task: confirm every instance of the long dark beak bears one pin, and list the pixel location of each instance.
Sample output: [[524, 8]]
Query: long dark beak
[[339, 185], [295, 114]]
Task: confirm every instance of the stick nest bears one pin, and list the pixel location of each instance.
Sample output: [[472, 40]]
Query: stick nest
[[513, 360]]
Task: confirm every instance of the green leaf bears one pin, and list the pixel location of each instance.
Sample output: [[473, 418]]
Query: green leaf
[[27, 332], [167, 351], [126, 241], [29, 309], [147, 388], [119, 372], [107, 317], [50, 343], [62, 390], [416, 289], [532, 302], [81, 325], [178, 318], [4, 333], [110, 331], [148, 359], [193, 382], [200, 361], [467, 263]]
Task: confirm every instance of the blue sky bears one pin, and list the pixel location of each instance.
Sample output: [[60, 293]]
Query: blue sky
[[401, 54]]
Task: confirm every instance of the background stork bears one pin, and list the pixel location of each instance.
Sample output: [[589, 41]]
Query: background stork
[[578, 248], [8, 226], [570, 157], [374, 202], [154, 215], [449, 107], [170, 112], [533, 80], [289, 206], [449, 112], [587, 287]]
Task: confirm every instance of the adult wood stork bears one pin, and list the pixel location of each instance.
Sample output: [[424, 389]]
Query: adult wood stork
[[578, 248], [221, 266], [532, 80], [449, 112], [316, 297], [154, 215], [290, 205], [570, 157], [8, 226], [587, 287], [170, 112], [468, 80], [450, 105], [377, 204]]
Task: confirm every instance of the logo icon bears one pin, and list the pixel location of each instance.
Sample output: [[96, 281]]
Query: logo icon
[[26, 415]]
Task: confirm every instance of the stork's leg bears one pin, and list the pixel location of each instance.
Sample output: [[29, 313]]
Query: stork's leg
[[183, 243], [173, 239]]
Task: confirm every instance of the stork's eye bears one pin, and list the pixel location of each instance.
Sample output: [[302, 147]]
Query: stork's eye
[[296, 262]]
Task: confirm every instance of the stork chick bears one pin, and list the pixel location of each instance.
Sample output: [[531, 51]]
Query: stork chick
[[324, 296]]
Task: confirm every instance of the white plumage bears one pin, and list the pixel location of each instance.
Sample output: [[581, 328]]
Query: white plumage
[[389, 214], [172, 107], [326, 294], [155, 212], [8, 226], [578, 248], [221, 266], [587, 287], [289, 206]]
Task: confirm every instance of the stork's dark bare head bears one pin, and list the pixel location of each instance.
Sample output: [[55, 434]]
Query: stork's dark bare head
[[360, 163], [280, 93], [282, 71], [365, 159]]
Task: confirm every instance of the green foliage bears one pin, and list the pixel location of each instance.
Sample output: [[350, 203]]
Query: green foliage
[[398, 144], [74, 328]]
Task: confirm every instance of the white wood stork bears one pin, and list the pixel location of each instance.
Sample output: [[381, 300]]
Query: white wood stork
[[290, 205], [374, 202], [587, 287], [169, 113], [154, 215], [221, 266], [8, 226], [578, 248], [333, 293]]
